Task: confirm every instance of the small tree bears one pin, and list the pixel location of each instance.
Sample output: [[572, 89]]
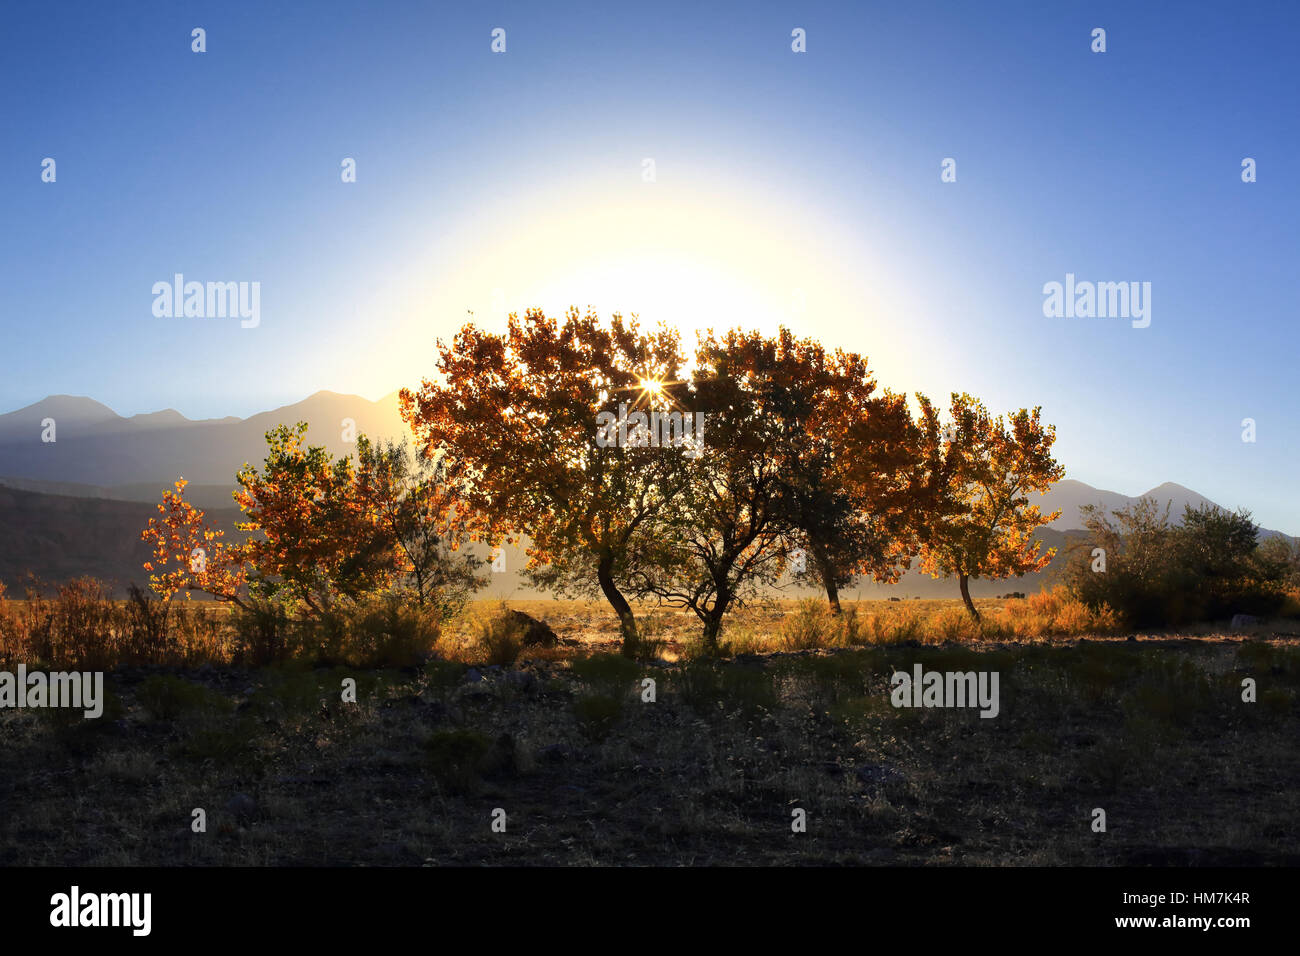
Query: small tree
[[979, 471], [417, 509], [313, 538], [320, 530], [1124, 562], [191, 554]]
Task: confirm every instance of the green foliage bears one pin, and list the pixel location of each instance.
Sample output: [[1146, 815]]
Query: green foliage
[[443, 676], [1158, 573], [715, 688]]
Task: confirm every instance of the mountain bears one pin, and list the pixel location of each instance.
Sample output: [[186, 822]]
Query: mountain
[[76, 505], [59, 537], [95, 446], [1069, 496]]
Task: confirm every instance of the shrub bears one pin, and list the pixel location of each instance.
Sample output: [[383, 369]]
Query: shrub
[[264, 630], [895, 625], [607, 673], [953, 624], [500, 636], [383, 630], [1159, 573]]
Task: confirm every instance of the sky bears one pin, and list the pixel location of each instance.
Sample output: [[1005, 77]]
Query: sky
[[796, 188]]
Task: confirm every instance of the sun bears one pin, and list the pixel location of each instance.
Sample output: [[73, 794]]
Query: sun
[[653, 388]]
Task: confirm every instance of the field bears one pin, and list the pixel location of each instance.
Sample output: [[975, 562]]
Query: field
[[1152, 729]]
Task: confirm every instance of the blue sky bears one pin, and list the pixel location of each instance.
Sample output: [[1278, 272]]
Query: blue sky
[[490, 182]]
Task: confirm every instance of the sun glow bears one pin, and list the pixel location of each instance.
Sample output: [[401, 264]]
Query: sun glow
[[689, 260]]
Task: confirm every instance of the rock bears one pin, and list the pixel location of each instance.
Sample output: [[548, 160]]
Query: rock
[[242, 807], [536, 633], [473, 676], [1243, 620]]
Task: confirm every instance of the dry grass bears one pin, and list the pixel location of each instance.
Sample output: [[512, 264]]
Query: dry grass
[[80, 626]]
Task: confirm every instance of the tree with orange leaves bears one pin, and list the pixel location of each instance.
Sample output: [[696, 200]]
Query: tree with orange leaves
[[517, 413], [979, 471], [315, 539], [191, 554], [846, 457], [320, 530]]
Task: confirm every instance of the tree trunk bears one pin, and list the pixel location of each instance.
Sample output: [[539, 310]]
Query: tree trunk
[[827, 572], [712, 626], [713, 620], [965, 596], [626, 620], [832, 594]]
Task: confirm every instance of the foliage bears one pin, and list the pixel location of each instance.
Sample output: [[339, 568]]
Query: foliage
[[518, 413], [979, 472], [1157, 572]]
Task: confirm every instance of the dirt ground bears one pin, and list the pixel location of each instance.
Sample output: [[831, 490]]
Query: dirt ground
[[564, 759]]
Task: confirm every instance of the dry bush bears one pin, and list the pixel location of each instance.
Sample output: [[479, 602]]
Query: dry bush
[[498, 636], [1055, 613]]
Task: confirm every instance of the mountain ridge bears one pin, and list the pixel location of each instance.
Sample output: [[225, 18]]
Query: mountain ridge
[[101, 454]]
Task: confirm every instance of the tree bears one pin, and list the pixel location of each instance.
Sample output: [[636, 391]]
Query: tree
[[417, 509], [1280, 555], [320, 530], [313, 539], [728, 529], [1124, 562], [517, 413], [1159, 573], [191, 554], [860, 518], [978, 472]]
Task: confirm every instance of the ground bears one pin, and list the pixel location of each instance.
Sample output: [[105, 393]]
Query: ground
[[1152, 729]]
